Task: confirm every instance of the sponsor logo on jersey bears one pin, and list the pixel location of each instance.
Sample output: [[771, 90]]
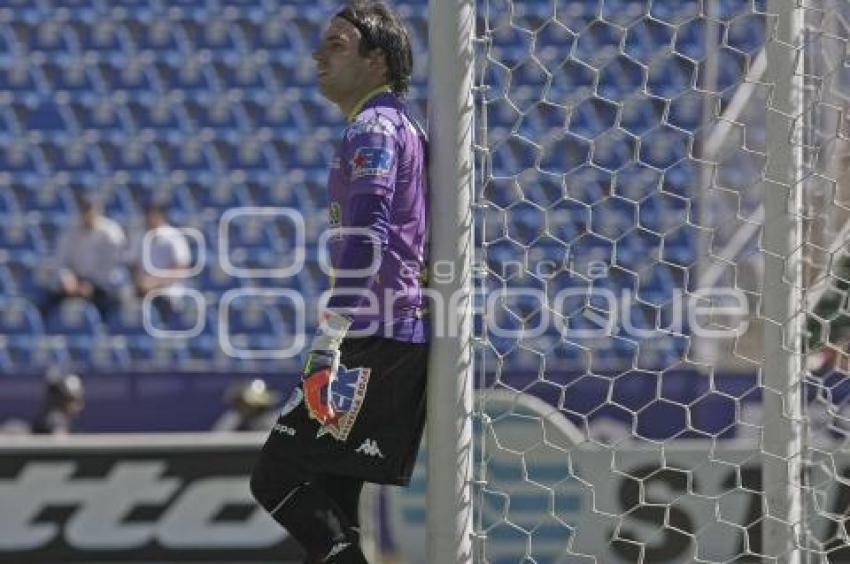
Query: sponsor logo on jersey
[[371, 161], [349, 392], [370, 447]]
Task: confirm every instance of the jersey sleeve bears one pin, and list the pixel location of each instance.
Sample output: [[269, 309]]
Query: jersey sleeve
[[370, 157]]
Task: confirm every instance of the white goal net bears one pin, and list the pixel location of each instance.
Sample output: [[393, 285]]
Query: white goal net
[[661, 210]]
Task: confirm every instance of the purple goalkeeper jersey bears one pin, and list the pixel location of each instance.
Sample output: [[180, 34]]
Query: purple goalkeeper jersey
[[378, 181]]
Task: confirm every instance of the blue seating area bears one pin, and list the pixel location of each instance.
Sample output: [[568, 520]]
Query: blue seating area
[[210, 105]]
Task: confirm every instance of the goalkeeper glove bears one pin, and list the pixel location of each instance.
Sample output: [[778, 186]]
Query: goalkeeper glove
[[320, 369]]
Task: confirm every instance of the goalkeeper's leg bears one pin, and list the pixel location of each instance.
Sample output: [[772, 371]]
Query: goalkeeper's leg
[[296, 500]]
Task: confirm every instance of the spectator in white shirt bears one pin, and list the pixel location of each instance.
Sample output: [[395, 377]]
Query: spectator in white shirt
[[159, 257], [89, 259]]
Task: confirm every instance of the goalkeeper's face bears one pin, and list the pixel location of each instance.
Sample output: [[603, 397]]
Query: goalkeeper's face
[[344, 75]]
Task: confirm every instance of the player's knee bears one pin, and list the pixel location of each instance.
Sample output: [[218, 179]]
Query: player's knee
[[260, 484], [271, 481]]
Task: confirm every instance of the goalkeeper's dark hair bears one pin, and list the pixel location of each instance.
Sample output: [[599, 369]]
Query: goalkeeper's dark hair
[[380, 28]]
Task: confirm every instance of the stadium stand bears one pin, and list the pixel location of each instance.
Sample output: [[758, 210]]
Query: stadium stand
[[208, 105]]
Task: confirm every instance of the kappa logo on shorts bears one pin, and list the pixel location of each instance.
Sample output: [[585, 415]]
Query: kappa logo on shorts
[[370, 447], [349, 392]]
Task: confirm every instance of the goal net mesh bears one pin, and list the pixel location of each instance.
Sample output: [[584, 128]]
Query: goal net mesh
[[625, 344]]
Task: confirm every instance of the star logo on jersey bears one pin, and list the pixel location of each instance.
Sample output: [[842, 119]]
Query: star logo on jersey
[[348, 391], [371, 161]]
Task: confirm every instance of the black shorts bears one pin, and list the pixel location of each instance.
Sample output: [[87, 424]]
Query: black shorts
[[378, 439]]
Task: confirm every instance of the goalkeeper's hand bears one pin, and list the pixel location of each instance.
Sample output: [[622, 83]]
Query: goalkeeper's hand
[[321, 367], [319, 375]]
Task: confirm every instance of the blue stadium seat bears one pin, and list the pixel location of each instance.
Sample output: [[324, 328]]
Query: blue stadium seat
[[670, 76], [251, 317], [207, 112], [675, 13], [311, 279], [277, 114], [681, 178], [127, 320], [635, 249], [641, 113], [140, 349], [9, 205], [78, 349], [664, 146], [261, 192], [122, 77], [247, 155], [74, 317], [213, 280], [157, 114], [747, 33], [637, 181], [78, 79], [592, 117], [47, 117], [63, 157], [17, 77], [220, 196], [19, 317], [272, 34], [94, 34], [21, 240], [243, 73], [26, 354], [133, 157], [184, 156], [158, 36], [663, 212], [190, 78], [208, 34], [118, 205], [613, 217], [17, 158], [8, 286], [104, 355], [621, 78], [686, 111], [658, 282], [50, 229], [48, 36], [101, 116]]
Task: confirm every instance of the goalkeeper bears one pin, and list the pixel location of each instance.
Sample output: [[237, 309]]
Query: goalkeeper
[[359, 411]]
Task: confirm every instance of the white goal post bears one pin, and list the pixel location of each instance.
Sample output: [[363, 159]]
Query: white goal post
[[449, 429]]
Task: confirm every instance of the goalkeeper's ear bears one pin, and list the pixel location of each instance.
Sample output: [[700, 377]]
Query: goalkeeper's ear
[[377, 61]]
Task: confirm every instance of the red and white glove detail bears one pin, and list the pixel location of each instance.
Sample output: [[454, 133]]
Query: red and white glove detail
[[321, 366]]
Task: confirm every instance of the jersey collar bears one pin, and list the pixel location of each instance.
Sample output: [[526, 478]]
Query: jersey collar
[[359, 105]]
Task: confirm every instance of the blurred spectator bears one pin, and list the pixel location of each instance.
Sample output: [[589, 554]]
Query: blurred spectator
[[828, 321], [89, 258], [160, 263], [252, 408], [63, 402]]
